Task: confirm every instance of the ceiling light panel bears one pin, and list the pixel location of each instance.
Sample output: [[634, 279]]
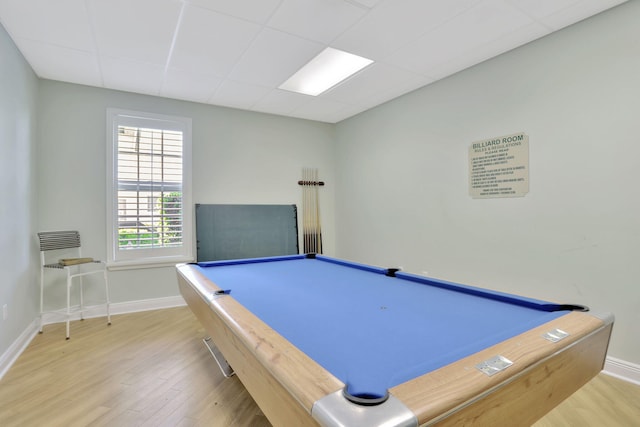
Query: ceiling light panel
[[325, 71]]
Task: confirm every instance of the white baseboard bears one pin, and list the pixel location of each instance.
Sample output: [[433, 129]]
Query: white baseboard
[[115, 308], [146, 305], [622, 369], [8, 358]]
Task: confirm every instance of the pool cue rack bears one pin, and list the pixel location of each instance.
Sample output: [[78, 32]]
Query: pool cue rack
[[311, 227]]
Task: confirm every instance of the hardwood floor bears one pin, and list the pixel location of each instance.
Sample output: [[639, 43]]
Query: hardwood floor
[[152, 369], [146, 369]]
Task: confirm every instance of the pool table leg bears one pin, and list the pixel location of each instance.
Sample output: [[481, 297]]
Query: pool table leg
[[224, 366]]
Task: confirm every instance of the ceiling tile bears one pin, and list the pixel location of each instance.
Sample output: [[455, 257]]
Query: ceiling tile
[[209, 42], [251, 10], [491, 49], [321, 21], [541, 8], [365, 3], [132, 76], [578, 12], [482, 24], [281, 102], [325, 110], [375, 84], [273, 57], [238, 95], [393, 24], [135, 29], [20, 21], [189, 85], [60, 63]]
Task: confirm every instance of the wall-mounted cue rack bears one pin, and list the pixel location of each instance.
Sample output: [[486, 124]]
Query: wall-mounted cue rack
[[311, 227]]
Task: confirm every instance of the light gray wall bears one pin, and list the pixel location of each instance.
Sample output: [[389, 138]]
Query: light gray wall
[[18, 259], [402, 171], [238, 157]]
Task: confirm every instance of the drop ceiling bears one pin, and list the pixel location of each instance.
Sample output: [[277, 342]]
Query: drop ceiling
[[236, 53]]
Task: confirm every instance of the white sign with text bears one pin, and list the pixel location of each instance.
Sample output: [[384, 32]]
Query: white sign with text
[[499, 167]]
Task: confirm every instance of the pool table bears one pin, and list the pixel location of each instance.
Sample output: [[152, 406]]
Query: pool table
[[323, 341]]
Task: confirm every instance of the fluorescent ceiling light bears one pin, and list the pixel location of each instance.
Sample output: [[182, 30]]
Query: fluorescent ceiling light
[[325, 71]]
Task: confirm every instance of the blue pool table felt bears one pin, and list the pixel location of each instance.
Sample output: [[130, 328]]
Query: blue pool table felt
[[370, 330]]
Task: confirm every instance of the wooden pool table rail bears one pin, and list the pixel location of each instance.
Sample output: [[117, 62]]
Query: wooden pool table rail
[[543, 374], [283, 381]]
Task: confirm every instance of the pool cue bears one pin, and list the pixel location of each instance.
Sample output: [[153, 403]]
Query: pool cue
[[312, 211], [314, 207], [312, 230], [304, 213], [305, 210], [318, 224]]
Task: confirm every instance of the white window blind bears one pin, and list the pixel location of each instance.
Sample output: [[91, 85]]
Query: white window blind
[[150, 215]]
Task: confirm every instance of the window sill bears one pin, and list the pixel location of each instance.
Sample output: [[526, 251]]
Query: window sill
[[147, 263]]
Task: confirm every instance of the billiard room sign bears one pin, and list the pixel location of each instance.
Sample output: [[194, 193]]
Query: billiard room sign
[[499, 167]]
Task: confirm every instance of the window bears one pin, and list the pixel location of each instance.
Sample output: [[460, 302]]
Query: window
[[149, 200]]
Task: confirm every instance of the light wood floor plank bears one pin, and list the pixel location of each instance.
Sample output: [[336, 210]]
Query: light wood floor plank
[[151, 369]]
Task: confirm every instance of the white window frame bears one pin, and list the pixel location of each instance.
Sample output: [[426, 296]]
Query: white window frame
[[156, 257]]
